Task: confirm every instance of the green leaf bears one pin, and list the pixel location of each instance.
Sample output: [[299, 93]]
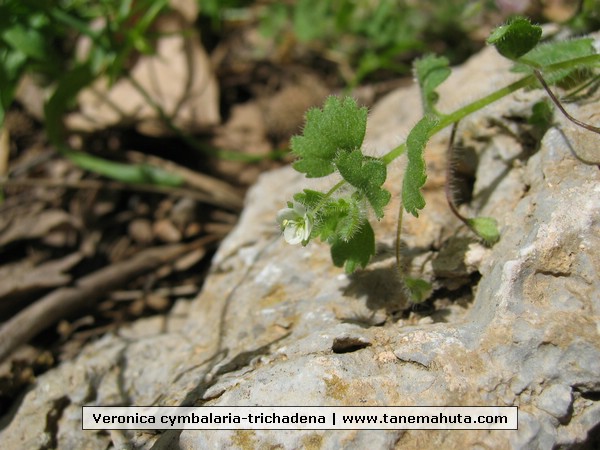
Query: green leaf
[[335, 219], [57, 105], [127, 173], [416, 175], [431, 71], [309, 198], [273, 20], [340, 220], [339, 127], [351, 218], [27, 40], [541, 117], [486, 228], [310, 19], [554, 53], [12, 64], [516, 38], [366, 174], [355, 252], [324, 222], [327, 216], [419, 289]]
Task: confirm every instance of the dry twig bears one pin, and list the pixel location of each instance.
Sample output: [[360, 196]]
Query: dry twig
[[63, 302], [117, 185], [221, 191]]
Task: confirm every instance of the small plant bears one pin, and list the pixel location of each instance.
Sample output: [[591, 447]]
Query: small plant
[[333, 137], [38, 38], [363, 38]]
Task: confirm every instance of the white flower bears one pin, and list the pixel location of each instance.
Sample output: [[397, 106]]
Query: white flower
[[295, 224]]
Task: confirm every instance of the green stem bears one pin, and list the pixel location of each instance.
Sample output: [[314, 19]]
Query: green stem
[[329, 193], [529, 80], [459, 114], [449, 119], [589, 61]]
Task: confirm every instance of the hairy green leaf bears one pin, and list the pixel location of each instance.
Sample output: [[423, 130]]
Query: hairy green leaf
[[486, 228], [516, 38], [309, 198], [350, 220], [340, 220], [366, 174], [541, 117], [334, 219], [431, 71], [419, 289], [554, 53], [357, 251], [324, 222], [339, 127], [415, 175]]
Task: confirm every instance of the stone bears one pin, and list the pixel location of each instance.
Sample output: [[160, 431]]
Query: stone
[[177, 78], [279, 325]]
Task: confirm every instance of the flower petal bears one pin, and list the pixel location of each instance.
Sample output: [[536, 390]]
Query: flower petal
[[293, 234], [295, 223], [307, 228], [286, 214]]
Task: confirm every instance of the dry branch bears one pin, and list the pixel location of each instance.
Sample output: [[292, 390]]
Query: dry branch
[[63, 302], [204, 197]]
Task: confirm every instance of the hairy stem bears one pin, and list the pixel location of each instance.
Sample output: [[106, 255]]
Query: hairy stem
[[526, 81], [560, 106], [449, 119], [329, 193]]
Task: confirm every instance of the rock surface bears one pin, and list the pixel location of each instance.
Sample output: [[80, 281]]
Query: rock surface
[[517, 324]]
